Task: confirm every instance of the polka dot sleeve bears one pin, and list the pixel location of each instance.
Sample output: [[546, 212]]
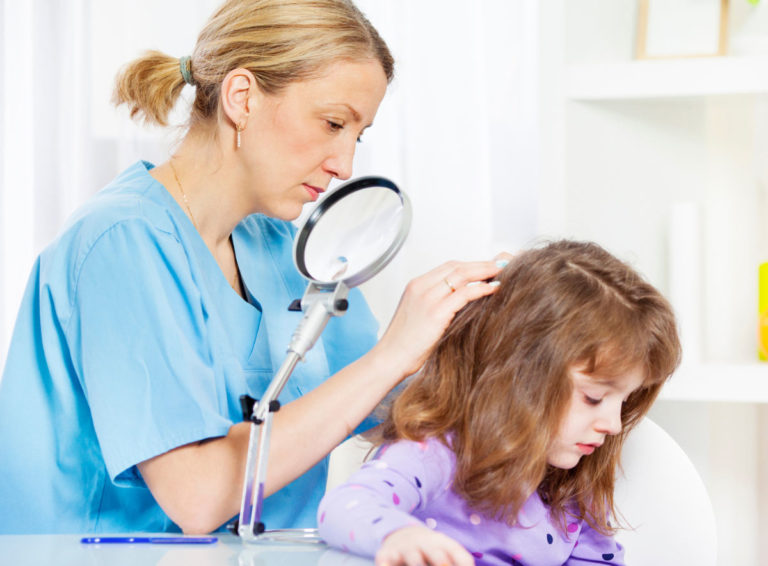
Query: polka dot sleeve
[[594, 548], [381, 497]]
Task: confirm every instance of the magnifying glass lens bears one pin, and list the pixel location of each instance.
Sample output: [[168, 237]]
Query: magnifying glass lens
[[354, 232]]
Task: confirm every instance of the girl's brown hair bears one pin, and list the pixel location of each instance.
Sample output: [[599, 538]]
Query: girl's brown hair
[[279, 41], [497, 385]]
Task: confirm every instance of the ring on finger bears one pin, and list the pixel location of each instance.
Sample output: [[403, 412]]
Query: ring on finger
[[450, 285]]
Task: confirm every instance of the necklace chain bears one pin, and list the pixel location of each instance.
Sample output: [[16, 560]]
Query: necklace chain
[[235, 283], [183, 195]]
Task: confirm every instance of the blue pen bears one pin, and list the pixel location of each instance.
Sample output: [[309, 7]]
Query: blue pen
[[148, 540]]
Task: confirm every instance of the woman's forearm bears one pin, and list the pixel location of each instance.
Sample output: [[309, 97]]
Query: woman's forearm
[[199, 485]]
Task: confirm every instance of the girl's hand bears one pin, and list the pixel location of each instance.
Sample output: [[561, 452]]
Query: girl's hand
[[428, 305], [421, 546]]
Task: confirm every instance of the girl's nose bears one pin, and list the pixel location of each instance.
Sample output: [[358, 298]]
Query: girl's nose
[[609, 422]]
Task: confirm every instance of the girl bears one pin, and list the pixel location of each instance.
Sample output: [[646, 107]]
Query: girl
[[505, 448]]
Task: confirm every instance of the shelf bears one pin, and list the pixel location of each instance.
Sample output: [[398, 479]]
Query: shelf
[[727, 383], [668, 78]]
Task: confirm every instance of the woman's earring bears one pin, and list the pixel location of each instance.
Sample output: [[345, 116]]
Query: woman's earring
[[239, 129]]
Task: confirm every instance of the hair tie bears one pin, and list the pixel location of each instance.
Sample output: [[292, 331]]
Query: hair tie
[[186, 70]]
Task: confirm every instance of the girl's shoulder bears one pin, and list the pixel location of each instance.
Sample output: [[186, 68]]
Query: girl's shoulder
[[428, 464], [430, 445], [432, 453]]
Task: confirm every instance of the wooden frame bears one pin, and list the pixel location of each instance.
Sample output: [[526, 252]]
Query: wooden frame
[[681, 28]]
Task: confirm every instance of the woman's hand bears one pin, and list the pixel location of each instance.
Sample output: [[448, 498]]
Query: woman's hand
[[428, 305], [421, 546]]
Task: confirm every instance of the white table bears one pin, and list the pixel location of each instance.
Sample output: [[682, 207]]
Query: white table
[[67, 550]]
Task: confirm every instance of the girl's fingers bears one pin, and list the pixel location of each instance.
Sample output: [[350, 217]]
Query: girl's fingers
[[445, 551], [460, 556], [414, 557], [437, 556], [419, 546], [388, 558]]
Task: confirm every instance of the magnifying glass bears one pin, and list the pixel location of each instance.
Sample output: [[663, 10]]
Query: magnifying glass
[[351, 235]]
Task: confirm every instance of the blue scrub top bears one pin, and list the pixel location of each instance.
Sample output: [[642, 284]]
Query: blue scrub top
[[131, 342]]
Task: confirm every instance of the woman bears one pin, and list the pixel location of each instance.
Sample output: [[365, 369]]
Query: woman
[[164, 299]]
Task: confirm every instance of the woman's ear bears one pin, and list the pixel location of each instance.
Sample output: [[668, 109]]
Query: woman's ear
[[239, 92]]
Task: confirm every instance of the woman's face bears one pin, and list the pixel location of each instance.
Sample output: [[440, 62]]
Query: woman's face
[[593, 413], [295, 142]]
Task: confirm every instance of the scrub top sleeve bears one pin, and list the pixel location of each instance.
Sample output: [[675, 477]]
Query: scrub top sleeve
[[138, 339]]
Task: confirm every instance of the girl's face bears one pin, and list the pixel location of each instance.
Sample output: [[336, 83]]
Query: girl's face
[[297, 141], [593, 413]]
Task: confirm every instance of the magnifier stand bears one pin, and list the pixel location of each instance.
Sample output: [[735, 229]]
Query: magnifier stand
[[319, 303]]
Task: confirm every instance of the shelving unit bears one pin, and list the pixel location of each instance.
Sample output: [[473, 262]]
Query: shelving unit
[[706, 113], [654, 81], [644, 80], [715, 383], [637, 139]]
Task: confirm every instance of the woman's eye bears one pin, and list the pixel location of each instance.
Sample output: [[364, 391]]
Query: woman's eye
[[335, 126]]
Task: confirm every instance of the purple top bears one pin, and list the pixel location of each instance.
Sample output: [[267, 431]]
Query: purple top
[[409, 483]]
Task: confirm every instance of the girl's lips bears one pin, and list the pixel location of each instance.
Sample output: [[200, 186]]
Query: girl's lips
[[586, 449]]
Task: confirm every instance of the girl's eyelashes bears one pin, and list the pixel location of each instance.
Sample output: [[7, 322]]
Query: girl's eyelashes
[[591, 400]]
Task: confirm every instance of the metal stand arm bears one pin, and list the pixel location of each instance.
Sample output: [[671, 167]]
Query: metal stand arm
[[319, 305]]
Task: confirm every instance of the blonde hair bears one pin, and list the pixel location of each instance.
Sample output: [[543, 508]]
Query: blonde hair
[[497, 385], [279, 41]]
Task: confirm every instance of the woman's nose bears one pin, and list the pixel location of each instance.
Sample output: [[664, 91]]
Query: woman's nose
[[340, 163]]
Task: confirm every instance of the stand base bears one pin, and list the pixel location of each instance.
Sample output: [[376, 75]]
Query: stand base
[[287, 536]]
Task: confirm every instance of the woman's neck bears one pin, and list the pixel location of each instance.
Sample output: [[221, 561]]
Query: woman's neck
[[205, 180]]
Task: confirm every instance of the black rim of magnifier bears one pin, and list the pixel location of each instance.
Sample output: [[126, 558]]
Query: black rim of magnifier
[[337, 194]]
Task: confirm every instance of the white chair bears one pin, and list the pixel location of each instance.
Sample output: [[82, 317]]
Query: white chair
[[662, 496]]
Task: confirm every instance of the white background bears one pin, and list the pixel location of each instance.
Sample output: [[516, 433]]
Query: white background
[[503, 128]]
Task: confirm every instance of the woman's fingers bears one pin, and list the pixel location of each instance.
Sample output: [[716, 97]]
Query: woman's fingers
[[470, 292], [464, 283], [428, 305], [504, 256], [455, 275]]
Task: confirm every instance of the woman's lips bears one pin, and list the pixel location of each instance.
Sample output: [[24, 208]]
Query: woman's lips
[[314, 192]]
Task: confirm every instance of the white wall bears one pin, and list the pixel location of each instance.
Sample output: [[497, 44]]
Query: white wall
[[457, 130]]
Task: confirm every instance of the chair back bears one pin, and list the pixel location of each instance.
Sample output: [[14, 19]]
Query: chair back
[[661, 495]]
